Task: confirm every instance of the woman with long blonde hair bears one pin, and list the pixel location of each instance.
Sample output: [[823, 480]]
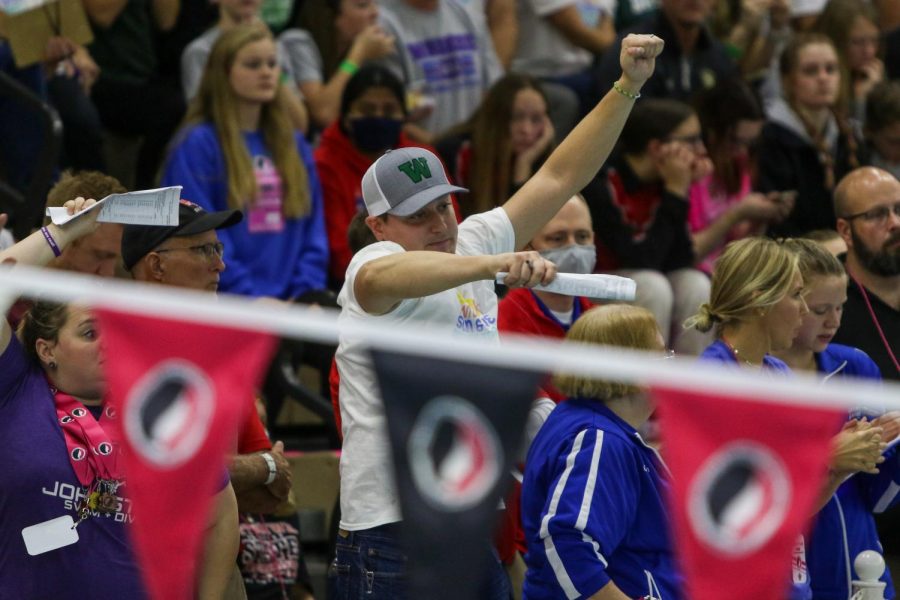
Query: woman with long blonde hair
[[238, 150]]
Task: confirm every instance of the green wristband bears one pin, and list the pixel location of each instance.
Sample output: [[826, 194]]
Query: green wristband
[[349, 67]]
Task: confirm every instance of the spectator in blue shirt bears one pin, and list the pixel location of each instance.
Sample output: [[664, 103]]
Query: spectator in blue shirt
[[757, 306], [239, 151], [593, 504], [845, 526]]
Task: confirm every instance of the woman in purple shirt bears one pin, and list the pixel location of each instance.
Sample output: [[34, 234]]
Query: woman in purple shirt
[[57, 455]]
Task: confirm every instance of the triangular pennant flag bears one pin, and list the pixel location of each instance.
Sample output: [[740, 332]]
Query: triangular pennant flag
[[455, 431], [746, 475], [178, 391]]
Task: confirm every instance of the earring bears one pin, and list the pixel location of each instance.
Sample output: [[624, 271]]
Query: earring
[[52, 365]]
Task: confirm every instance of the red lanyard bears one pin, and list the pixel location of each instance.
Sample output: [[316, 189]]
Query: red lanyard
[[884, 340], [91, 450]]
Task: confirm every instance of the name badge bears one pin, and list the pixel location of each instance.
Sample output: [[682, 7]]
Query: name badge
[[50, 535]]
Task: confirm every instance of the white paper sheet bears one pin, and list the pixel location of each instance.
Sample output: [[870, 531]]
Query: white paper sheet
[[604, 287], [145, 207]]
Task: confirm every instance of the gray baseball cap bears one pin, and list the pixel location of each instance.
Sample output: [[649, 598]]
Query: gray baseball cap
[[404, 180]]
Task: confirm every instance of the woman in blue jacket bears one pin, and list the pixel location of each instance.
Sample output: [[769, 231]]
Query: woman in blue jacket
[[597, 527], [757, 307], [237, 149], [845, 526]]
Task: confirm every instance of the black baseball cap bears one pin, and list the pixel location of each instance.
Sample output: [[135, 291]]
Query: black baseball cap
[[140, 240]]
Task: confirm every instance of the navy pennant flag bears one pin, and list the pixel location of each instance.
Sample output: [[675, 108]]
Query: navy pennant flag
[[456, 430]]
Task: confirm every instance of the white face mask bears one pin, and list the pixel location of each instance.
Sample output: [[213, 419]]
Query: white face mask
[[577, 258]]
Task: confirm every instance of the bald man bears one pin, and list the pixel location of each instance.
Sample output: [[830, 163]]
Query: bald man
[[867, 205]]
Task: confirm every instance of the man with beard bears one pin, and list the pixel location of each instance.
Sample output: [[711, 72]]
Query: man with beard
[[867, 202]]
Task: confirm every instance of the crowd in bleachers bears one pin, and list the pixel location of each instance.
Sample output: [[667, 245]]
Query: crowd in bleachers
[[319, 143]]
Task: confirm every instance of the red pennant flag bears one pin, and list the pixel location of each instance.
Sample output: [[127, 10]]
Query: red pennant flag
[[745, 478], [178, 391]]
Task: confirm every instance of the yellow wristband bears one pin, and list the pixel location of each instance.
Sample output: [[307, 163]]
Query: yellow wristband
[[625, 92], [349, 67]]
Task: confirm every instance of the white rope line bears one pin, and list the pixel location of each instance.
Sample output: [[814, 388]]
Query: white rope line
[[527, 353]]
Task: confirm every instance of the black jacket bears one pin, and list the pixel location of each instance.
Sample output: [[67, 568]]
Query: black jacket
[[637, 225], [675, 76], [787, 161]]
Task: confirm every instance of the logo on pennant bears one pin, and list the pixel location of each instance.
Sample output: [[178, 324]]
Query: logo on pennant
[[168, 413], [454, 454], [79, 412], [78, 453], [104, 448], [739, 497], [66, 419]]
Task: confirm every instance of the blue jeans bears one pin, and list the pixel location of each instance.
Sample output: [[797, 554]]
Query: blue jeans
[[370, 565]]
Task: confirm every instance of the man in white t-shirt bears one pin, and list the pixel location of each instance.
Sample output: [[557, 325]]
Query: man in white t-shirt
[[425, 268]]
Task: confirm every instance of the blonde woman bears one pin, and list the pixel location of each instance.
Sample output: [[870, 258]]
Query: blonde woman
[[825, 282], [756, 307], [577, 509], [238, 150], [756, 304]]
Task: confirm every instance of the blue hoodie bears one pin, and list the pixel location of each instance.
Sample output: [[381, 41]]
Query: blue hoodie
[[845, 526], [265, 254]]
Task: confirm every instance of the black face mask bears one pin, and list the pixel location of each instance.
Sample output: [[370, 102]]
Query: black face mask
[[371, 134]]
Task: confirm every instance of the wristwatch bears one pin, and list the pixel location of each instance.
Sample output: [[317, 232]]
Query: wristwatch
[[273, 470]]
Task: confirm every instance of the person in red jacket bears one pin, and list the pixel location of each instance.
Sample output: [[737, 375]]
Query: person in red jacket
[[372, 115], [567, 241]]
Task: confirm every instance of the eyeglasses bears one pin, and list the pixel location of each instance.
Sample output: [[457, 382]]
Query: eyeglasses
[[207, 251], [878, 215]]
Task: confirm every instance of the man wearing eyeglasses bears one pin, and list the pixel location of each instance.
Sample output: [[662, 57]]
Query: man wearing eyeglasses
[[189, 255], [867, 202]]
